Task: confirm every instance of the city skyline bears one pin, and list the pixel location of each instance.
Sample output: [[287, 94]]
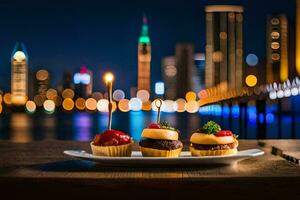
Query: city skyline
[[59, 60]]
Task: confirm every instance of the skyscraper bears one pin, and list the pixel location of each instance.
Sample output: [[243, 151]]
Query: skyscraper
[[298, 37], [224, 45], [199, 75], [19, 75], [277, 49], [144, 58], [169, 74], [184, 53]]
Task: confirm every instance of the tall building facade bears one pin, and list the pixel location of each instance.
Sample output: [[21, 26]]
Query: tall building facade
[[144, 58], [19, 75], [169, 75], [224, 46], [298, 37], [277, 49], [199, 75], [184, 54]]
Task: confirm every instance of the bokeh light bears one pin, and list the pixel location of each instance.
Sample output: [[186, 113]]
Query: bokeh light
[[190, 96], [58, 101], [160, 88], [68, 104], [42, 75], [143, 95], [91, 104], [80, 103], [251, 59], [39, 99], [97, 96], [192, 106], [49, 106], [124, 105], [7, 98], [135, 104], [51, 94], [118, 95], [169, 106], [30, 106], [147, 105], [251, 80], [68, 93], [102, 105], [180, 105]]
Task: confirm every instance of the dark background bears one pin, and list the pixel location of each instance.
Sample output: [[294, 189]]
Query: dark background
[[61, 35]]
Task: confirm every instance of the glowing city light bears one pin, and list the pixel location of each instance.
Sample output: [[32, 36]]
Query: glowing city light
[[19, 56], [190, 96], [251, 80], [169, 106], [192, 106], [143, 95], [82, 78], [97, 96], [102, 105], [49, 106], [118, 95], [7, 99], [68, 93], [294, 91], [39, 99], [51, 94], [68, 104], [180, 105], [135, 104], [160, 88], [273, 95], [42, 75], [147, 106], [251, 59], [80, 103], [124, 105], [280, 94], [30, 106], [91, 104]]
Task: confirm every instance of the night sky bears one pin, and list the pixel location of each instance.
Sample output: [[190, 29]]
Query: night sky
[[103, 35]]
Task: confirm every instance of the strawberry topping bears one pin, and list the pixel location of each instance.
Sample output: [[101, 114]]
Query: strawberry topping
[[111, 138], [154, 126], [223, 133]]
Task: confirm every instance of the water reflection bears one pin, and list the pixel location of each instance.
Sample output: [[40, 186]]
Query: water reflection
[[82, 126]]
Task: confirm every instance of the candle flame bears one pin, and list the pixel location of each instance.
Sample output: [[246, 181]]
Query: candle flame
[[108, 77]]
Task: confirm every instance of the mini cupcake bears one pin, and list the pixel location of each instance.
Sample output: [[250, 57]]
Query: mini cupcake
[[210, 140], [112, 143], [160, 140]]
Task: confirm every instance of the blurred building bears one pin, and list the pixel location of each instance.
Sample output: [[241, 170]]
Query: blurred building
[[198, 77], [169, 75], [144, 58], [298, 37], [19, 75], [277, 49], [192, 69], [184, 54], [224, 46], [42, 82], [83, 83]]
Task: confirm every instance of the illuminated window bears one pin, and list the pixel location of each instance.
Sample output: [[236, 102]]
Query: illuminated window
[[275, 45], [223, 35], [275, 21], [159, 88], [275, 35], [275, 56]]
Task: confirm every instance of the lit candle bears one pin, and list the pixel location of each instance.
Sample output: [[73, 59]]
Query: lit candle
[[109, 77], [158, 104]]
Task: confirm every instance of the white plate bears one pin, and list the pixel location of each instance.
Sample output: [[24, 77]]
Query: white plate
[[185, 158]]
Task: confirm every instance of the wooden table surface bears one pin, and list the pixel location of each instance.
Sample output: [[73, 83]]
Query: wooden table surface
[[38, 166]]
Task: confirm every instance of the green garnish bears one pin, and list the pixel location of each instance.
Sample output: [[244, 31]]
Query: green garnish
[[210, 127], [166, 125]]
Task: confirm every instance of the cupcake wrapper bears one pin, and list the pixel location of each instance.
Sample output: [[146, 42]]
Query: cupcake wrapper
[[196, 152], [149, 152], [112, 151]]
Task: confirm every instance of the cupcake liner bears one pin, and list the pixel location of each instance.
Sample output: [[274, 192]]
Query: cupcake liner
[[196, 152], [112, 151], [149, 152]]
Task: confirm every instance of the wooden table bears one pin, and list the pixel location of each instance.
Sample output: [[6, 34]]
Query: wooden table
[[41, 168]]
